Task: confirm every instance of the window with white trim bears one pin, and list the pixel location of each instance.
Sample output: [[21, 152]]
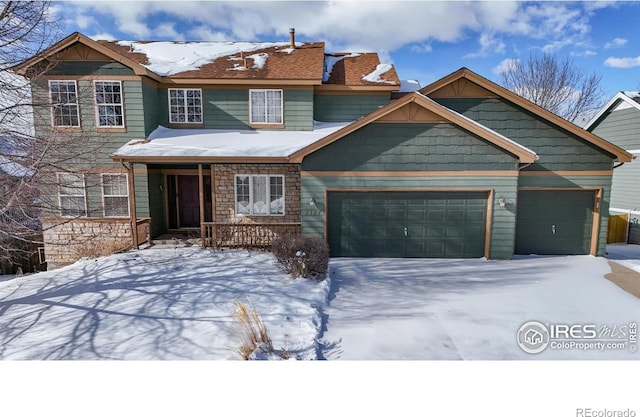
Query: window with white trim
[[185, 105], [109, 109], [260, 195], [64, 101], [72, 194], [115, 195], [265, 106]]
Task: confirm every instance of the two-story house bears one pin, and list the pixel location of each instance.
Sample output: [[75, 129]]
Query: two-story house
[[239, 142]]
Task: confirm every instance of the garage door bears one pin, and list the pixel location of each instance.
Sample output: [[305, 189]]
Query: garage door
[[554, 222], [407, 224]]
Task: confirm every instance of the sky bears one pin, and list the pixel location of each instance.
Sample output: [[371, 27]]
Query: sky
[[425, 40]]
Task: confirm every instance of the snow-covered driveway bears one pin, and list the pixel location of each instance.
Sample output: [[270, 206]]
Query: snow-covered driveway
[[467, 309]]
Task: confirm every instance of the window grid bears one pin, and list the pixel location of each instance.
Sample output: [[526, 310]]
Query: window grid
[[115, 195], [64, 101], [72, 195], [260, 195], [185, 105], [266, 106], [109, 109]]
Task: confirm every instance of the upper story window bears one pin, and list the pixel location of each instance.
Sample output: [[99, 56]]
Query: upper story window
[[185, 105], [64, 100], [265, 106], [72, 194], [109, 110]]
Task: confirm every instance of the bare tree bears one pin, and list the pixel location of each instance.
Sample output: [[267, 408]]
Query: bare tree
[[555, 84]]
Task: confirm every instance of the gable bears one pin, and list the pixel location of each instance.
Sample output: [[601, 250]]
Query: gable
[[411, 113], [82, 52], [454, 83]]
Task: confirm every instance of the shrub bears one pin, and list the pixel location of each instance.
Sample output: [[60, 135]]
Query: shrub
[[302, 256]]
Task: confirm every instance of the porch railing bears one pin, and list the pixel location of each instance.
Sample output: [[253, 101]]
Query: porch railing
[[246, 235], [143, 226]]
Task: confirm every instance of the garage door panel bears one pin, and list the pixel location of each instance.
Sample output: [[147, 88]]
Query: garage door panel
[[554, 222], [407, 224]]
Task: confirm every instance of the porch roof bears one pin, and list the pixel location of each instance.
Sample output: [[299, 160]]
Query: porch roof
[[164, 144]]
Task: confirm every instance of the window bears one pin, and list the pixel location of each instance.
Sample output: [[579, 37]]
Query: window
[[71, 191], [115, 195], [265, 106], [64, 100], [185, 105], [109, 110], [261, 195]]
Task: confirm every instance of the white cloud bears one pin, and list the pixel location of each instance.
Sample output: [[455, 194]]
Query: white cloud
[[505, 65], [617, 42], [488, 45], [84, 21], [587, 52], [627, 62], [103, 36], [421, 48]]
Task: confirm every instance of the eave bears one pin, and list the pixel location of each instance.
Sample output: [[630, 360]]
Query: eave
[[620, 96], [202, 159]]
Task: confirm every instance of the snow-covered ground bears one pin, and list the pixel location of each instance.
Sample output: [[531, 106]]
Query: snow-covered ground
[[156, 303], [177, 303]]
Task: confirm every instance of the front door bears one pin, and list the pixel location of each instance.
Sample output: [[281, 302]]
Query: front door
[[184, 201]]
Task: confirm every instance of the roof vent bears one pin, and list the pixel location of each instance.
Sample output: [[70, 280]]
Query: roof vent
[[292, 37]]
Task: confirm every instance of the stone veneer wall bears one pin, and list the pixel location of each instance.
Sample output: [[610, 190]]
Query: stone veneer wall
[[225, 191], [66, 241]]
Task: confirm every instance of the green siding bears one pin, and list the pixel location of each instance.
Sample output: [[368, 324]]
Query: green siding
[[409, 147], [346, 108], [229, 108], [150, 108], [621, 127], [142, 194], [157, 203], [90, 68], [558, 150], [503, 221]]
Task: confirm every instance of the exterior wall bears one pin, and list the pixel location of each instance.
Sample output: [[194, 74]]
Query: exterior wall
[[229, 108], [225, 191], [622, 128], [66, 241], [603, 182], [90, 67], [409, 147], [558, 150], [346, 108], [502, 221]]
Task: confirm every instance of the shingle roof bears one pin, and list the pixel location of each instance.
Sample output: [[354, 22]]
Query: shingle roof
[[352, 68], [225, 60]]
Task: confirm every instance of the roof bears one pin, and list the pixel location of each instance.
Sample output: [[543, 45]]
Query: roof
[[629, 98], [234, 62], [358, 69], [212, 145], [435, 110], [493, 88]]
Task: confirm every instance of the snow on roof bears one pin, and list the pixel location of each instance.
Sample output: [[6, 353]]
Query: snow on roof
[[169, 58], [409, 86], [13, 168], [374, 77], [632, 94], [331, 60], [167, 142]]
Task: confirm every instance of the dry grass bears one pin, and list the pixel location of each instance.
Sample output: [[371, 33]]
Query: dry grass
[[251, 331], [97, 248]]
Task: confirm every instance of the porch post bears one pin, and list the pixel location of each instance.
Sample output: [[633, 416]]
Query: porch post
[[201, 194], [133, 217], [214, 237]]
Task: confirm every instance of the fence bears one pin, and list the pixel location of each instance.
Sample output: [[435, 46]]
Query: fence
[[246, 235]]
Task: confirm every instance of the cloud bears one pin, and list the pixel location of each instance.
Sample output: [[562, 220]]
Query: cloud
[[421, 48], [505, 65], [617, 42], [626, 62], [488, 45], [587, 52], [103, 36]]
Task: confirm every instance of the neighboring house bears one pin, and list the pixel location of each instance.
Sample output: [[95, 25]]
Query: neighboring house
[[239, 142], [619, 123]]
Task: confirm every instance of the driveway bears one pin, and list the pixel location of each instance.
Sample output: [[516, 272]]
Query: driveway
[[422, 309]]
